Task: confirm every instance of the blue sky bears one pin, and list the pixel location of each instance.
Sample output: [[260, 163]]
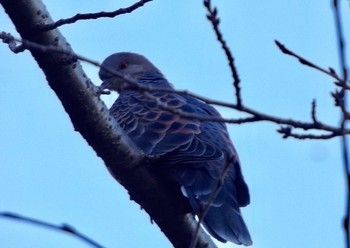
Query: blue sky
[[297, 187]]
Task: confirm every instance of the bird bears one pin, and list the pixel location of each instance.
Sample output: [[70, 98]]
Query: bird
[[195, 152]]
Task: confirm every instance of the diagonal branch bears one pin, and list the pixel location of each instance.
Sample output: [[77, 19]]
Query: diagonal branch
[[345, 114], [215, 21], [213, 195], [62, 228], [91, 118], [256, 116], [89, 16], [330, 72]]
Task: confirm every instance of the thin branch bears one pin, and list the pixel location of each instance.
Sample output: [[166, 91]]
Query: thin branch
[[189, 115], [61, 228], [339, 97], [340, 39], [331, 72], [313, 111], [7, 38], [211, 199], [343, 85], [255, 115], [346, 222], [89, 16], [288, 132], [345, 116], [215, 21]]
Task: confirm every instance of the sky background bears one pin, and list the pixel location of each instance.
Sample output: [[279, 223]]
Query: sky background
[[47, 170]]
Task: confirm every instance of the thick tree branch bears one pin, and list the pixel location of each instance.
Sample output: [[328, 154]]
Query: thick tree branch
[[91, 118]]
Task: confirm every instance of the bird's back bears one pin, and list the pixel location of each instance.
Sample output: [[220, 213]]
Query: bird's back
[[195, 152]]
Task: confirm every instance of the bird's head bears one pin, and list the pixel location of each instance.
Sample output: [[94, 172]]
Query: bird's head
[[129, 65]]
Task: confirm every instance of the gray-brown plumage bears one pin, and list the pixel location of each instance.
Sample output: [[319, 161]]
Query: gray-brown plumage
[[194, 152]]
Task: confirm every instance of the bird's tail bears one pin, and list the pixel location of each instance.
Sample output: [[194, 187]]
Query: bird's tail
[[224, 222]]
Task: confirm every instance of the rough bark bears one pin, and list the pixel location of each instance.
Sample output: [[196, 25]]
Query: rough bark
[[90, 117]]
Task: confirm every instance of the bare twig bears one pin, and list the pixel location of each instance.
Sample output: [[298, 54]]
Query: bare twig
[[288, 132], [340, 39], [215, 21], [313, 111], [213, 195], [255, 115], [188, 115], [62, 228], [90, 16], [7, 38], [345, 116], [339, 97], [330, 72], [343, 85]]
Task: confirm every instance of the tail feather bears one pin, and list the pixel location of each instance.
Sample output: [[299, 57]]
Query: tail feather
[[224, 222]]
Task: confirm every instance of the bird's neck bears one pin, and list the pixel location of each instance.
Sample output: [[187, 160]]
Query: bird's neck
[[154, 79]]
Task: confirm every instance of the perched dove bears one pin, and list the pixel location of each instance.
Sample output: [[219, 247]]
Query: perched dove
[[194, 152]]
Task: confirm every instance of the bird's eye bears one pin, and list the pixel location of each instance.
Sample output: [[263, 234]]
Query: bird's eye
[[122, 66]]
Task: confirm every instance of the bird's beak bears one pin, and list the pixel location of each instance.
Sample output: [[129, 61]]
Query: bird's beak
[[112, 84], [105, 84], [104, 87]]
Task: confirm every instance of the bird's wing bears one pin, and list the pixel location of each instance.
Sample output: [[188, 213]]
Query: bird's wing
[[199, 149], [157, 131], [195, 151]]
